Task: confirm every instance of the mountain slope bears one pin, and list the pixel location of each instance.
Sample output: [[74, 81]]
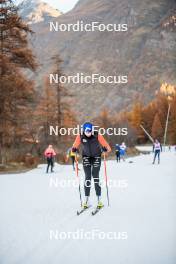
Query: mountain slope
[[146, 53], [34, 11]]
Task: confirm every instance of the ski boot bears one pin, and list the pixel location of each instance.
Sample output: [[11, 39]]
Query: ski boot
[[85, 205], [100, 205]]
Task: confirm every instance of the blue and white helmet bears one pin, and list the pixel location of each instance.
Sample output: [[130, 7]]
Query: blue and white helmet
[[87, 127]]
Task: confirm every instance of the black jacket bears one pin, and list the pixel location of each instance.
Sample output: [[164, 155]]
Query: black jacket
[[91, 146]]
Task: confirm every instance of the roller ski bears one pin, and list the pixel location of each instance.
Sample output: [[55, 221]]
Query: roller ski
[[98, 208], [83, 209]]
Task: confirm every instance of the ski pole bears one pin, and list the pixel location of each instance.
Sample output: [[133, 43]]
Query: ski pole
[[106, 177], [80, 196]]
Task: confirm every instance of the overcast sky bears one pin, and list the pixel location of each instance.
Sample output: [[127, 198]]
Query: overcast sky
[[62, 5]]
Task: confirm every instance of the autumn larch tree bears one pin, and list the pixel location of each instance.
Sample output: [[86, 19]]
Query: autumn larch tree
[[15, 90], [65, 116], [157, 130], [135, 119]]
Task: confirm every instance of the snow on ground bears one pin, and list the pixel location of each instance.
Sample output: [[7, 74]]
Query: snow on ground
[[35, 213], [149, 148]]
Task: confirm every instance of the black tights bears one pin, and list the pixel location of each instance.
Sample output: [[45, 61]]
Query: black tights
[[91, 167], [50, 162]]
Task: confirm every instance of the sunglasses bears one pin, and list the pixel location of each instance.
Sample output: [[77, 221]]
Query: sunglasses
[[88, 131]]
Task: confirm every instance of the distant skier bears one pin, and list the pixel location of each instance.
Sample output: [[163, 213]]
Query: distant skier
[[72, 155], [123, 150], [50, 154], [157, 149], [117, 151], [93, 144]]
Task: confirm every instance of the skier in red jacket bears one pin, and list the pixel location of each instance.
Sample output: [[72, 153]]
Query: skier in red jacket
[[49, 155]]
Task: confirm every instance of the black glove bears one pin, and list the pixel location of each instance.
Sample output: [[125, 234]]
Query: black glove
[[104, 149], [74, 150]]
